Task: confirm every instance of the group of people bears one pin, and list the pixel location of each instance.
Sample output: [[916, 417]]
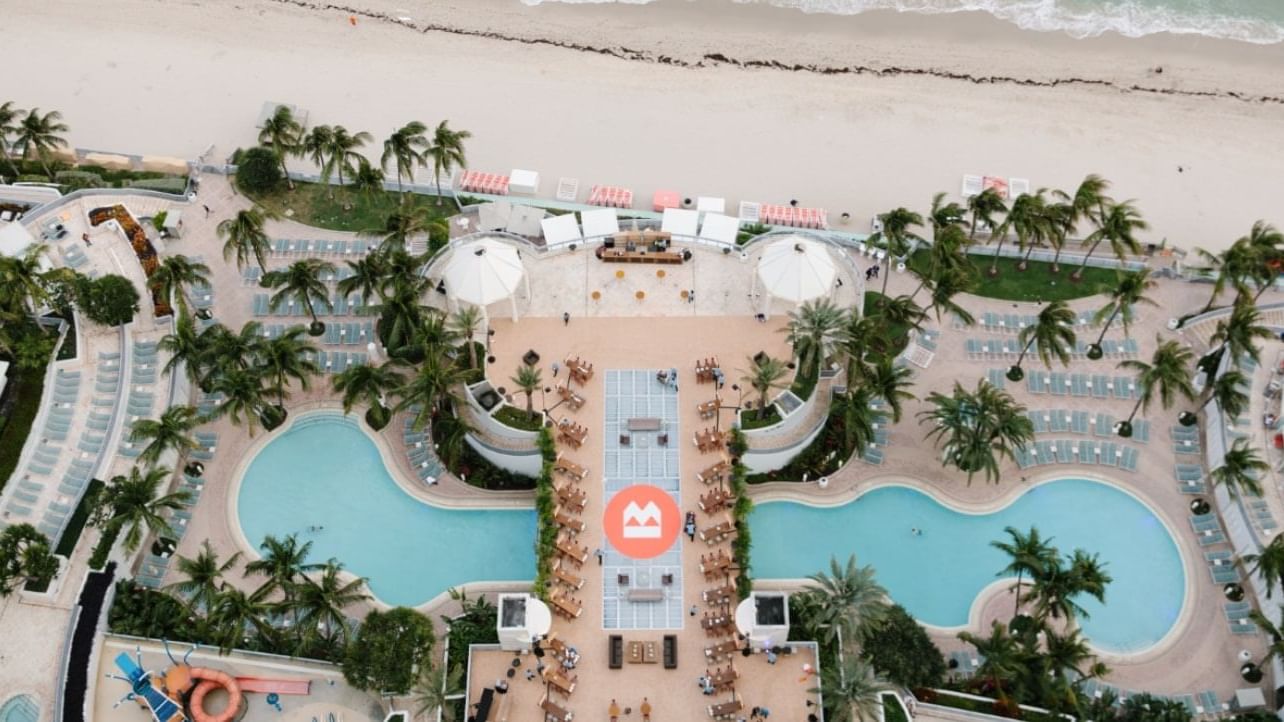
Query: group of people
[[871, 272]]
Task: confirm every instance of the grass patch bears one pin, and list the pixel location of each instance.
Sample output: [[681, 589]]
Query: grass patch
[[472, 375], [749, 420], [75, 525], [68, 348], [1036, 283], [822, 457], [896, 335], [892, 711], [313, 205], [805, 381], [518, 418], [22, 403], [103, 548]]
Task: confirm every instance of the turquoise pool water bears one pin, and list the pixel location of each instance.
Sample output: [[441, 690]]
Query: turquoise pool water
[[20, 708], [326, 472], [937, 575]]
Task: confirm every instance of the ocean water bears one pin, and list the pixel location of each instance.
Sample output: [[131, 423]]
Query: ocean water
[[1254, 21]]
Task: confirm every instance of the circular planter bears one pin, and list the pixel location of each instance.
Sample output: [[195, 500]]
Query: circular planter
[[1250, 673], [1015, 373], [204, 314], [1187, 418], [1124, 429], [1095, 352], [273, 416], [194, 469], [1200, 506], [1234, 592], [316, 328], [377, 417]]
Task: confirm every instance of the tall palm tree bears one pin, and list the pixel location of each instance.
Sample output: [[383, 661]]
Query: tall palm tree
[[367, 179], [1118, 225], [947, 254], [435, 688], [901, 311], [1087, 204], [202, 577], [1241, 470], [368, 384], [323, 599], [342, 151], [1051, 335], [977, 428], [39, 135], [814, 331], [1059, 225], [1029, 554], [985, 208], [1130, 290], [25, 280], [1004, 663], [432, 385], [945, 286], [288, 356], [1058, 586], [944, 216], [465, 323], [1268, 243], [1229, 391], [282, 133], [403, 224], [1024, 218], [315, 146], [226, 351], [896, 236], [172, 431], [1034, 226], [301, 282], [859, 418], [1237, 334], [852, 692], [243, 236], [528, 380], [8, 127], [446, 152], [1168, 373], [174, 275], [1273, 630], [1269, 564], [888, 382], [859, 344], [401, 312], [186, 348], [243, 393], [368, 278], [1066, 655], [848, 600], [235, 615], [765, 373], [1234, 267], [405, 148], [137, 505], [283, 564]]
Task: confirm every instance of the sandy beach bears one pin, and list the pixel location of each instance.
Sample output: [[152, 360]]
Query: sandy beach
[[855, 114]]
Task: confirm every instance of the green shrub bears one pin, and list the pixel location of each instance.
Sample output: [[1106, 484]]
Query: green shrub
[[111, 300], [26, 385], [518, 418], [901, 651], [99, 558], [388, 649], [545, 510], [76, 524], [74, 180], [258, 171], [892, 710], [164, 185]]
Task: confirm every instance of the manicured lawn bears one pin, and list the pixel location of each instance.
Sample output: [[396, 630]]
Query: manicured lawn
[[25, 388], [749, 419], [1036, 283], [71, 535], [805, 381], [518, 418], [892, 711], [313, 205], [897, 333]]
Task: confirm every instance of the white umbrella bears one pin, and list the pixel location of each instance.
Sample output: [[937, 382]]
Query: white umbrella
[[483, 272], [796, 270]]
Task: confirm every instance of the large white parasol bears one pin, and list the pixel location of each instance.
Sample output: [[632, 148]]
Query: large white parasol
[[795, 270], [483, 272]]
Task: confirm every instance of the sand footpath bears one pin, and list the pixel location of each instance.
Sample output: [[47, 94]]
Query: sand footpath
[[884, 110]]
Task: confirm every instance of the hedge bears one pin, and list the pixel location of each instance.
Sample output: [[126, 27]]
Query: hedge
[[545, 510]]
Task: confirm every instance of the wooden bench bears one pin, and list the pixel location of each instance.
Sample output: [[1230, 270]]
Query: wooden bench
[[616, 656], [645, 424], [645, 595], [670, 651]]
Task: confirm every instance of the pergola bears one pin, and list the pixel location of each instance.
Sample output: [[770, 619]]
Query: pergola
[[483, 272], [796, 270]]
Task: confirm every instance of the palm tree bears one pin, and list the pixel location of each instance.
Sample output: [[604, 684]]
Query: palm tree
[[301, 282], [435, 688], [451, 437], [1065, 655], [814, 331], [446, 152], [852, 692], [1234, 267], [1028, 555], [848, 600], [136, 504], [1024, 218], [288, 356], [901, 311], [1272, 629], [315, 145], [185, 347], [1238, 332], [1033, 224], [243, 391], [244, 237], [282, 133], [283, 564], [944, 216], [1130, 290], [322, 601], [1051, 335], [985, 207], [405, 147], [857, 346], [401, 312], [173, 430], [1118, 224], [234, 614], [859, 418], [528, 380], [226, 351], [977, 428], [368, 384], [1087, 204], [1059, 224], [1056, 588], [202, 577], [431, 336], [429, 388], [1004, 661], [765, 373], [39, 134], [24, 278], [888, 382], [1268, 243], [8, 127], [1241, 470], [1228, 390], [1168, 373], [896, 236], [465, 323], [945, 286], [174, 275], [1269, 565], [946, 255], [342, 152], [367, 179], [403, 224], [369, 277]]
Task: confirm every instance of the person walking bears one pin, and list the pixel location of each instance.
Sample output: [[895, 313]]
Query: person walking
[[614, 711], [600, 555], [646, 710], [556, 368], [694, 610], [207, 210], [566, 318]]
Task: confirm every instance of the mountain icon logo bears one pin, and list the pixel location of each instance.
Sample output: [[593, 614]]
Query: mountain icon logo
[[641, 522]]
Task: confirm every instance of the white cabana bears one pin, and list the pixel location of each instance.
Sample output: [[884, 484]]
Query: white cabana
[[795, 270], [494, 216], [561, 229], [525, 221], [521, 621], [483, 272], [680, 222], [710, 204], [15, 239], [600, 222], [523, 182], [717, 227]]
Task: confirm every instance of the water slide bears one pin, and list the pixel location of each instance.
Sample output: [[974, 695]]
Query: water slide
[[163, 708], [279, 686], [209, 680]]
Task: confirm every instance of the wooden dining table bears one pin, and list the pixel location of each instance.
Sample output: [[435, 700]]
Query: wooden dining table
[[722, 649], [568, 606], [569, 468], [565, 577], [720, 595], [574, 434], [573, 499], [725, 709], [554, 711], [714, 621], [708, 409], [559, 681], [577, 554], [723, 677], [572, 399], [714, 473], [715, 501], [716, 534], [568, 522], [709, 440], [715, 564]]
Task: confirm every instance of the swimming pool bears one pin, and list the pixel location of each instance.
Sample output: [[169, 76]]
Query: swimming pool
[[937, 575], [325, 472]]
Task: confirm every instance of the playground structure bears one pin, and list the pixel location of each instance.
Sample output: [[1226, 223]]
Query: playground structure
[[162, 694]]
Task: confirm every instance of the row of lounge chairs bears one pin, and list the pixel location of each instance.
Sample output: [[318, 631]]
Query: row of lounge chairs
[[1077, 451], [1010, 349], [340, 305], [875, 452], [336, 362], [73, 256], [321, 247], [1014, 322], [1060, 421], [1201, 704], [419, 451], [152, 568], [143, 374], [1185, 439], [1097, 386]]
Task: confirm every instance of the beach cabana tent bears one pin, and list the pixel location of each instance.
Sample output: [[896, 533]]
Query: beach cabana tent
[[525, 221], [598, 223], [483, 272], [15, 239], [494, 216], [524, 182], [720, 228], [680, 222], [795, 270], [561, 229], [709, 204], [665, 199]]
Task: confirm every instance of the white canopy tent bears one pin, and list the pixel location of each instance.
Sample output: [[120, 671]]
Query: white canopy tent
[[795, 270], [494, 216], [600, 222], [15, 239], [483, 272], [561, 229], [680, 222], [525, 221], [717, 227]]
